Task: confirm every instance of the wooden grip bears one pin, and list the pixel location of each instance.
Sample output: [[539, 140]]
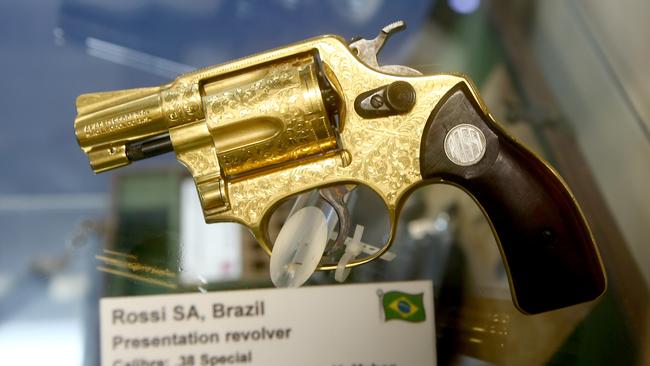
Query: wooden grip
[[547, 248]]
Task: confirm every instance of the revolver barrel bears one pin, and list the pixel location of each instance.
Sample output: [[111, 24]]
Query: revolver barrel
[[111, 127]]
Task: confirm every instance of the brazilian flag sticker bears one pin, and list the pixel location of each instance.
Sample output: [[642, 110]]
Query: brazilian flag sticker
[[402, 306]]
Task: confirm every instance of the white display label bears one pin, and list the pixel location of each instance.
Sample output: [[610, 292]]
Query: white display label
[[380, 324], [209, 253]]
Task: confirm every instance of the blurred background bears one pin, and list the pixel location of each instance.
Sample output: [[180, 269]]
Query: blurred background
[[569, 78]]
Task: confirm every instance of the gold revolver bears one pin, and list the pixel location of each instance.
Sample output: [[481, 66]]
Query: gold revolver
[[322, 114]]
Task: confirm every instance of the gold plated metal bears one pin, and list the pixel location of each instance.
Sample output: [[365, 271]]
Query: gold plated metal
[[106, 121], [269, 116], [253, 132], [256, 131]]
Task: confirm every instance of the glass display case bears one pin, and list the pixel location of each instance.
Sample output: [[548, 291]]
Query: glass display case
[[566, 78]]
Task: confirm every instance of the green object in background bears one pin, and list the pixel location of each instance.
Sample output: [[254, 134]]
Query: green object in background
[[403, 306], [146, 216], [602, 338]]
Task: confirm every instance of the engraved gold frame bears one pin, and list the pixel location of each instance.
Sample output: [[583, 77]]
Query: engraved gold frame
[[381, 153]]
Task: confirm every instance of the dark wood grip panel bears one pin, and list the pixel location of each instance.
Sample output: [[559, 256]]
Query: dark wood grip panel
[[546, 245]]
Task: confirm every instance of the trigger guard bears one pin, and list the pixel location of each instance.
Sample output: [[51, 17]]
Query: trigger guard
[[262, 234]]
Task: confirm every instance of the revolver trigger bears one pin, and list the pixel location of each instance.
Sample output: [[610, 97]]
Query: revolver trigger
[[335, 196]]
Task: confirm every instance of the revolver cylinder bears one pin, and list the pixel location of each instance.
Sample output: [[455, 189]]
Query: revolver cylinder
[[268, 116]]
